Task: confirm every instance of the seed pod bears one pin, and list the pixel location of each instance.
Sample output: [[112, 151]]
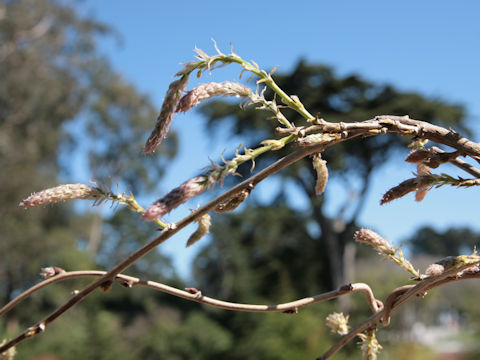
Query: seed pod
[[320, 167], [232, 203], [203, 228], [418, 156]]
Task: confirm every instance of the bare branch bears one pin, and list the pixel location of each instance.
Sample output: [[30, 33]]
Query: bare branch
[[399, 297], [165, 235], [379, 125]]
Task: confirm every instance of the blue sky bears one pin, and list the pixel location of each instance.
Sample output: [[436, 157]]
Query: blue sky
[[431, 47]]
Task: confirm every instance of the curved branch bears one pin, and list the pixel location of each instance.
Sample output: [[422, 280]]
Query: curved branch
[[343, 131], [399, 297], [106, 280], [196, 295]]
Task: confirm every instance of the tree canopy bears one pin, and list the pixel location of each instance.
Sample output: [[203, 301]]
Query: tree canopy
[[58, 97]]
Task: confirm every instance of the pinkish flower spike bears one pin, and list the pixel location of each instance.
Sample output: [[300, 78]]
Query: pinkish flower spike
[[206, 91], [176, 197], [61, 193], [174, 93]]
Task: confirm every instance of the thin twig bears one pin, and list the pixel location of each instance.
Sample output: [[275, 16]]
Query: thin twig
[[399, 297], [379, 125], [165, 235], [130, 281]]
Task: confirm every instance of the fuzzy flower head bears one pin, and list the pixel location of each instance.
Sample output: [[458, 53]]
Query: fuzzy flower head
[[50, 271], [206, 91], [371, 238], [434, 270], [385, 249], [174, 93], [177, 197], [62, 193], [338, 323]]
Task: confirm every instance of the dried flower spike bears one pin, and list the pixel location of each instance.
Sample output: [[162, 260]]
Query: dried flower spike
[[338, 323], [176, 197], [414, 184], [320, 167], [203, 228], [174, 93], [371, 238], [61, 193], [385, 249], [206, 91]]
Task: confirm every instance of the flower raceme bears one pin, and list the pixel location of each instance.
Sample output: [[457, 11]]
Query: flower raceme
[[176, 197], [174, 102], [385, 249], [206, 91], [174, 94], [62, 193]]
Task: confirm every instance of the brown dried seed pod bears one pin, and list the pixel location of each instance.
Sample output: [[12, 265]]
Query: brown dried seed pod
[[315, 139], [418, 156], [233, 203], [320, 167], [203, 228]]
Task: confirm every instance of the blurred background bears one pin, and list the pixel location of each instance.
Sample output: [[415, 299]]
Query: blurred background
[[81, 84]]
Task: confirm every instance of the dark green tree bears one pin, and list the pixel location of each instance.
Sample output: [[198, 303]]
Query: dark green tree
[[451, 242], [61, 100], [262, 259]]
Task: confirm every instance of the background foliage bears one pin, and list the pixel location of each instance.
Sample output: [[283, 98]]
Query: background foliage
[[59, 97]]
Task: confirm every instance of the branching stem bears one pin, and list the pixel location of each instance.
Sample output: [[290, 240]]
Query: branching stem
[[377, 126]]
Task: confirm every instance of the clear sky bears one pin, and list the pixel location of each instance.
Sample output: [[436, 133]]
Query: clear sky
[[427, 46]]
